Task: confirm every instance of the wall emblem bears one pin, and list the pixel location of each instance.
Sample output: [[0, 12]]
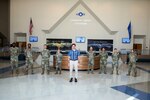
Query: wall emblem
[[80, 14]]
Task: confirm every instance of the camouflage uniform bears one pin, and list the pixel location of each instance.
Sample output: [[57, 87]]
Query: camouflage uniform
[[132, 63], [14, 53], [58, 62], [29, 60], [45, 60], [103, 61], [115, 62], [91, 62]]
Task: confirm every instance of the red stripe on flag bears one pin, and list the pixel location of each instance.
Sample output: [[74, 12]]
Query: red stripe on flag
[[30, 27]]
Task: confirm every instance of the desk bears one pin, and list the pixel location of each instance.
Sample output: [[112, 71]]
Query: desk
[[83, 62]]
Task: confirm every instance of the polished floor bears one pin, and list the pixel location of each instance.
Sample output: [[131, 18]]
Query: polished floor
[[89, 86]]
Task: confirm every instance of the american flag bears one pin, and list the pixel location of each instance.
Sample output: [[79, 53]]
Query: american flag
[[30, 27]]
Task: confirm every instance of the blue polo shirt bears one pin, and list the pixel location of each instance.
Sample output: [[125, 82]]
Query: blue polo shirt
[[73, 54]]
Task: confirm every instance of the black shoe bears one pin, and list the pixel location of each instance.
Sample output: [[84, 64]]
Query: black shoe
[[76, 80], [71, 79], [128, 74]]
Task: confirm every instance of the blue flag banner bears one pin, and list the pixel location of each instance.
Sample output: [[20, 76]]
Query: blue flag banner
[[129, 30]]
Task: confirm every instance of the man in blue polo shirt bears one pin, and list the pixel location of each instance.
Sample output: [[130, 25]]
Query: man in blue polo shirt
[[73, 57]]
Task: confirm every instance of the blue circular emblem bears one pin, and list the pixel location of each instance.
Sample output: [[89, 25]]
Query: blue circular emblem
[[80, 14]]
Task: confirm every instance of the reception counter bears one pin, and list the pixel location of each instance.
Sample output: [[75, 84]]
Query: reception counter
[[83, 62]]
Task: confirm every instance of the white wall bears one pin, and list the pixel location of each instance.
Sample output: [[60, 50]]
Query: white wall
[[116, 14], [148, 35]]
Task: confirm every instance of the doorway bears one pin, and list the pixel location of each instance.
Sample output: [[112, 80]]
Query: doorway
[[21, 45], [138, 48]]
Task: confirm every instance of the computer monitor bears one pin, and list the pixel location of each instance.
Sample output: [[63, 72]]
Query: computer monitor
[[126, 40], [80, 39], [33, 39]]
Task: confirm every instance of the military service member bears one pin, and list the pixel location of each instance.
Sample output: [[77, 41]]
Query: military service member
[[91, 55], [115, 61], [29, 59], [58, 61], [14, 53], [132, 63], [45, 59], [103, 61]]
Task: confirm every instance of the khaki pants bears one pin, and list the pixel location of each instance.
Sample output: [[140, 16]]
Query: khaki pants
[[73, 65]]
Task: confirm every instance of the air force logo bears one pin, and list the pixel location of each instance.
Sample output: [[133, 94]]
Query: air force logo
[[80, 14]]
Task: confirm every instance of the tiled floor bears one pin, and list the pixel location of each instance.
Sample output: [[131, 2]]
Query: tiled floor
[[133, 92], [57, 87], [143, 86]]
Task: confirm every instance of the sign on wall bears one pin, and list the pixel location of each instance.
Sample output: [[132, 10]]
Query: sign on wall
[[100, 43]]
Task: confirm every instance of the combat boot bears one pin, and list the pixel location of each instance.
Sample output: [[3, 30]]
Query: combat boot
[[105, 72], [60, 72], [48, 72], [135, 74], [32, 71], [100, 72], [128, 74], [17, 71], [12, 72], [92, 71], [117, 72], [112, 72], [26, 71], [56, 71], [42, 71]]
